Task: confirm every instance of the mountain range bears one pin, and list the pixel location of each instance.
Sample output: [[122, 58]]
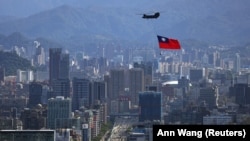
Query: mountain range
[[79, 23]]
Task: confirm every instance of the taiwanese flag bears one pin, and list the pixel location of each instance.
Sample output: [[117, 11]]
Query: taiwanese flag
[[167, 43]]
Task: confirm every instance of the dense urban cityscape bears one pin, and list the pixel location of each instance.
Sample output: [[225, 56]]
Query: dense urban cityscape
[[124, 70], [120, 97]]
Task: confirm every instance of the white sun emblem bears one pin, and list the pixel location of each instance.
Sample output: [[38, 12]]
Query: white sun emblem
[[163, 39]]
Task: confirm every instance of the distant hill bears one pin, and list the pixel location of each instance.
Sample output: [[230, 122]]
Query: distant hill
[[212, 21], [21, 9], [18, 39], [14, 39], [76, 26], [12, 62]]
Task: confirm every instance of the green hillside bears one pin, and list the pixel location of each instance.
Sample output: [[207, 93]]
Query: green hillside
[[12, 62]]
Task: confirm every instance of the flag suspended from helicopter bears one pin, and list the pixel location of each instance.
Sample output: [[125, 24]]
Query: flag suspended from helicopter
[[164, 42], [168, 43]]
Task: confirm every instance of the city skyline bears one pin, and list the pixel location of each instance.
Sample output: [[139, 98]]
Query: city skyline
[[96, 71]]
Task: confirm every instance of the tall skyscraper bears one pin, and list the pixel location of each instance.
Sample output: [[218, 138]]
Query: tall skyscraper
[[184, 83], [61, 87], [96, 123], [81, 93], [237, 63], [54, 63], [148, 71], [210, 96], [241, 93], [136, 84], [39, 58], [107, 79], [35, 94], [102, 63], [150, 104], [64, 66], [117, 83], [58, 64], [2, 73], [205, 59], [58, 108], [99, 91]]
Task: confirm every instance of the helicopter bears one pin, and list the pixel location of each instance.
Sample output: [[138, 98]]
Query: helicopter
[[151, 16]]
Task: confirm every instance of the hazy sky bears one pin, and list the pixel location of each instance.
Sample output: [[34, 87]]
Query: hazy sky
[[22, 8], [222, 19]]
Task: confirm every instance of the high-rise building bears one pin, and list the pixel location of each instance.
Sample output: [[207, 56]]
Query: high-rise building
[[107, 79], [58, 64], [86, 133], [33, 118], [39, 57], [99, 92], [101, 109], [214, 59], [205, 59], [150, 104], [217, 59], [117, 83], [184, 83], [54, 63], [2, 74], [64, 66], [35, 94], [148, 71], [25, 76], [237, 64], [136, 84], [81, 93], [241, 93], [103, 113], [210, 96], [61, 87], [58, 108], [102, 62], [196, 74], [124, 104], [96, 123]]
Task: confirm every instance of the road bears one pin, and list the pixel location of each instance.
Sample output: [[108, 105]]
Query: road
[[121, 125]]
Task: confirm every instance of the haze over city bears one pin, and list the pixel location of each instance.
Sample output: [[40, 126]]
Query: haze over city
[[87, 70]]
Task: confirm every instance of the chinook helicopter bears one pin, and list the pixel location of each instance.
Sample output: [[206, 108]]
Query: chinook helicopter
[[151, 16]]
